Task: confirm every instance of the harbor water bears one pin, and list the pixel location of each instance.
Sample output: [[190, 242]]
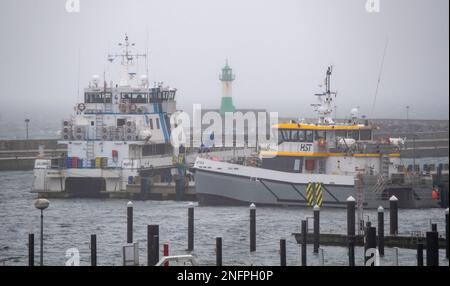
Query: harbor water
[[68, 223]]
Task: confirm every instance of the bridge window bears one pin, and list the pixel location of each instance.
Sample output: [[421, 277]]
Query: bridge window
[[309, 136], [365, 135], [97, 97]]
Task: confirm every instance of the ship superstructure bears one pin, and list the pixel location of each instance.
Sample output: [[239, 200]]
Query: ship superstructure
[[117, 129], [322, 162]]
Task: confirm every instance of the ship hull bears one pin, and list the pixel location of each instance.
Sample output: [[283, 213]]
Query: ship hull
[[217, 185]]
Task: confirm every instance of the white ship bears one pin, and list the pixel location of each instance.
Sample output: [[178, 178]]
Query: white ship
[[320, 163], [118, 129]]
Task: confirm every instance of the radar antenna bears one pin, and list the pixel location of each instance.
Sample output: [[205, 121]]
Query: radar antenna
[[325, 107]]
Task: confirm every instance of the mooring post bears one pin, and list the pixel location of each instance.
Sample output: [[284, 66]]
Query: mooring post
[[351, 203], [393, 215], [381, 230], [304, 236], [321, 257], [420, 254], [218, 251], [166, 252], [446, 233], [190, 227], [130, 222], [252, 227], [31, 249], [432, 248], [282, 252], [93, 250], [316, 232], [152, 244], [370, 243]]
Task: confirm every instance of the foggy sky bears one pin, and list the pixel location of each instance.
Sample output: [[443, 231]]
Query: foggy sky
[[279, 51]]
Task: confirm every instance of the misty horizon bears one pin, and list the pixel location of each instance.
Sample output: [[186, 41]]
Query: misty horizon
[[279, 52]]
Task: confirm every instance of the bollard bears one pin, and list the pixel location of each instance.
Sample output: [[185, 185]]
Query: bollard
[[31, 249], [130, 222], [166, 252], [395, 256], [446, 233], [304, 236], [432, 248], [190, 227], [381, 230], [93, 250], [252, 227], [351, 203], [218, 251], [321, 257], [282, 252], [152, 244], [369, 245], [316, 231], [393, 210], [420, 254]]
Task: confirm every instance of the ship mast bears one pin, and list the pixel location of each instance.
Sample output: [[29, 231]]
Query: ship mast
[[127, 61], [325, 107]]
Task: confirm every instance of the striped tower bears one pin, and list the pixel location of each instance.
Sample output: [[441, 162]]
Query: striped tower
[[226, 78]]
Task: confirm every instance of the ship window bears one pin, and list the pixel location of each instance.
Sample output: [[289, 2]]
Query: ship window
[[150, 121], [353, 134], [301, 135], [297, 165], [309, 136], [286, 135], [120, 122], [365, 135], [157, 123], [432, 167], [320, 134], [341, 134], [445, 167], [294, 135]]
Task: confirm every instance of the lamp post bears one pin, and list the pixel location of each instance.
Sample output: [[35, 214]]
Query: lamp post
[[42, 204], [27, 121]]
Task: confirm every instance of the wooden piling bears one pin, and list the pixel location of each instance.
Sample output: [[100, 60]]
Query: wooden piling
[[252, 228], [381, 230], [218, 251], [304, 241], [31, 249], [316, 231], [370, 243], [282, 252], [93, 250], [420, 254], [351, 204], [130, 222], [152, 244], [432, 248], [393, 211], [190, 227]]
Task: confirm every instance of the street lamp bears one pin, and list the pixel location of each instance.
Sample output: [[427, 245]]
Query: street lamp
[[27, 121], [42, 204]]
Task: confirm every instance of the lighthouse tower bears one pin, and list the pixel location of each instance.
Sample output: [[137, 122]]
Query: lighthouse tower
[[226, 78]]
